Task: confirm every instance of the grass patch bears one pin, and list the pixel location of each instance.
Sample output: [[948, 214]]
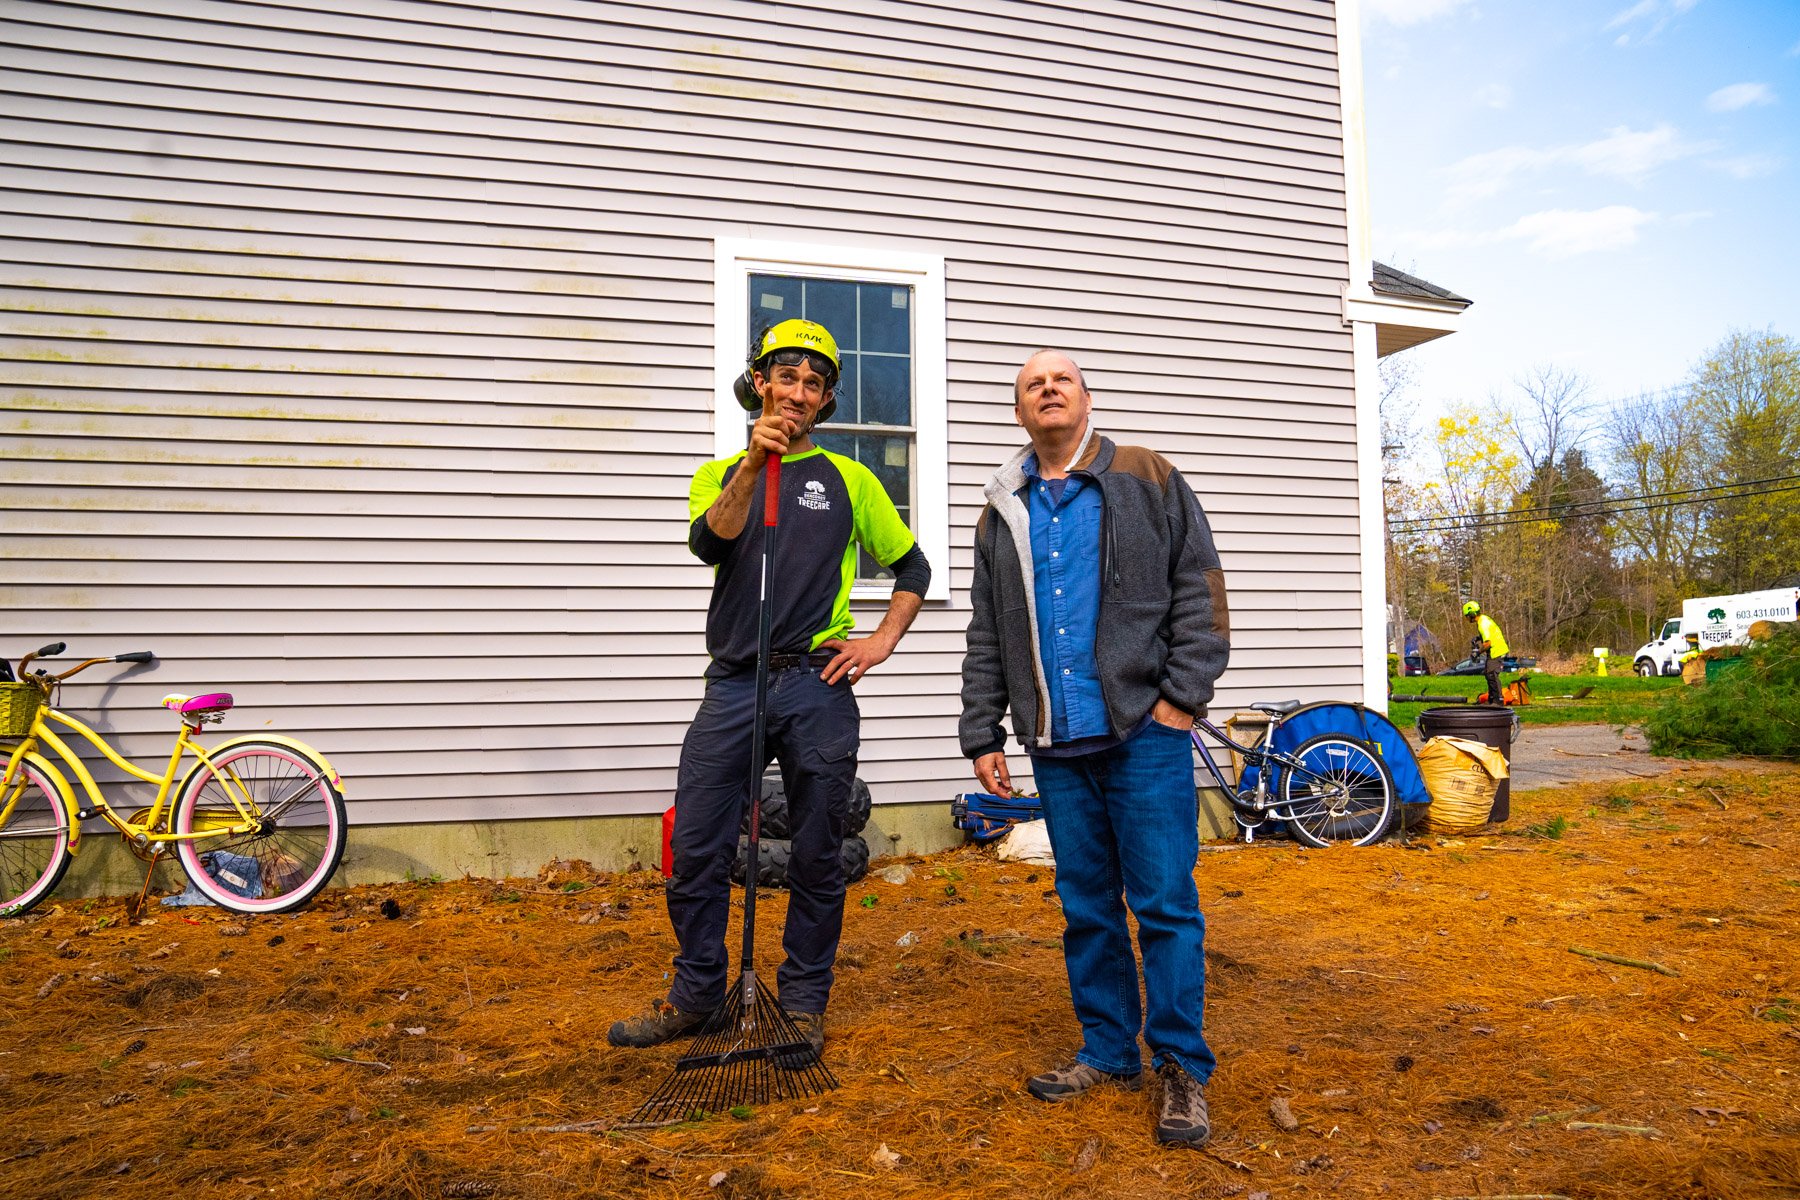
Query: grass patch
[[1781, 1010], [1553, 829], [1618, 700]]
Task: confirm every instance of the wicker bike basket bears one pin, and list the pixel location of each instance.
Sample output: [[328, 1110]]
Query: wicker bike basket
[[19, 704]]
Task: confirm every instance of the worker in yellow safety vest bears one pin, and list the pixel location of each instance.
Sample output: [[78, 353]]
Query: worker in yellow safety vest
[[1490, 642]]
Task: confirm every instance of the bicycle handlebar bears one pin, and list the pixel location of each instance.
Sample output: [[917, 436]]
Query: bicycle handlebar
[[55, 648]]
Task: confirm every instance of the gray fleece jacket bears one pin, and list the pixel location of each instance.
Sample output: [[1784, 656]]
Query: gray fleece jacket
[[1164, 627]]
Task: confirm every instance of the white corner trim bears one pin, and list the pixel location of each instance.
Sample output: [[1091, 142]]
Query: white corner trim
[[1360, 253], [1358, 299], [1371, 519], [736, 258]]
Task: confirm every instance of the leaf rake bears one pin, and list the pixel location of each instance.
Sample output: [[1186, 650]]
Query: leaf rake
[[749, 1051]]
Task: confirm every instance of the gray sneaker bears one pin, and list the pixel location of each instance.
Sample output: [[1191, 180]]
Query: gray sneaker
[[812, 1028], [664, 1022], [1184, 1121], [1066, 1083]]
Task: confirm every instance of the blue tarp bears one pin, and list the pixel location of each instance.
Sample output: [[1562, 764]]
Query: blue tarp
[[1338, 716]]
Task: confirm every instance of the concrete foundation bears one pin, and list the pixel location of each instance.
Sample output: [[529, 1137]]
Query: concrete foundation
[[505, 849], [490, 849]]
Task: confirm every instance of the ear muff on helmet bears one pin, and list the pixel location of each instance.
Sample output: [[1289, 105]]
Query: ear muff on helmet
[[807, 337], [1471, 608]]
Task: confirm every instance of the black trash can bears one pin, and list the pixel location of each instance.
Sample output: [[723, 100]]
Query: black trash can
[[1490, 724]]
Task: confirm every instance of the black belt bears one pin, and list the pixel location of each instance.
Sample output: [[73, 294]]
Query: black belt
[[797, 662]]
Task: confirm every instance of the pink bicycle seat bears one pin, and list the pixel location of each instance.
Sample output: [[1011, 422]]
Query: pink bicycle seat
[[211, 702]]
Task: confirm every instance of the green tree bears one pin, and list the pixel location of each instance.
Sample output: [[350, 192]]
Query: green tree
[[1747, 397]]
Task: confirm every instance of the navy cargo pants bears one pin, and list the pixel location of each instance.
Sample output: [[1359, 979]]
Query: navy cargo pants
[[813, 729]]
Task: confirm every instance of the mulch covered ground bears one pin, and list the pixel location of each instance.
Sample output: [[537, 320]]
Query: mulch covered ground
[[1417, 1011]]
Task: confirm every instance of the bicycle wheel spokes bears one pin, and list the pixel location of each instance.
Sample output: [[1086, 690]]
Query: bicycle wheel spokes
[[34, 841], [299, 835], [1337, 790]]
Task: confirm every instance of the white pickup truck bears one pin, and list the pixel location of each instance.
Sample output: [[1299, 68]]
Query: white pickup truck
[[1714, 621]]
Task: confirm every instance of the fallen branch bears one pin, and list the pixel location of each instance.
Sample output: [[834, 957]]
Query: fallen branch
[[1717, 799], [359, 1062], [1509, 1196], [1757, 845], [1640, 1130], [1373, 975], [1639, 963], [1566, 1114]]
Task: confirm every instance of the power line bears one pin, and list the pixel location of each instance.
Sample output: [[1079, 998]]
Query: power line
[[1601, 511], [1547, 511]]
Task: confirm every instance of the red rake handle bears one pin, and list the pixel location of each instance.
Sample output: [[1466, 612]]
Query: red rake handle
[[772, 490]]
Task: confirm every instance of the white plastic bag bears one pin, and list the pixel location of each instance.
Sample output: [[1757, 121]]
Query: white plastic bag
[[1026, 842]]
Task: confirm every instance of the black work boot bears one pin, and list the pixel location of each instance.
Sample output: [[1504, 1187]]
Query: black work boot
[[812, 1029], [1066, 1083], [664, 1022], [1184, 1121]]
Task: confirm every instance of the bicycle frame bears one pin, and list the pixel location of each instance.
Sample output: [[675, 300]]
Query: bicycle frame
[[1261, 754], [148, 832], [1259, 805]]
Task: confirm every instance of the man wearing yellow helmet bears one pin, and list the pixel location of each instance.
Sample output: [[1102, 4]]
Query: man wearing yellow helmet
[[1489, 641], [829, 505]]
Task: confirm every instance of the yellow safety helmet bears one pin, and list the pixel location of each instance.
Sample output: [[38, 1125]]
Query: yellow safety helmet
[[1471, 608], [795, 334]]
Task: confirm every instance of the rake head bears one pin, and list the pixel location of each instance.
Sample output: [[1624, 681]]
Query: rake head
[[754, 1054]]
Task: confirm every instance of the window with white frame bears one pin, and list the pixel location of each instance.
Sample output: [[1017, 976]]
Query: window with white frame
[[886, 312]]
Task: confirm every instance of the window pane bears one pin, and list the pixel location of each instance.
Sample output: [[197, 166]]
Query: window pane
[[772, 299], [849, 408], [886, 390], [886, 319], [832, 303], [890, 458]]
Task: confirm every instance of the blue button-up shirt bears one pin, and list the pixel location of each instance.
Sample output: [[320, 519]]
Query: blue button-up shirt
[[1065, 548]]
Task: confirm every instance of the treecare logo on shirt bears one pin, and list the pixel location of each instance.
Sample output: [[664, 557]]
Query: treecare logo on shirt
[[814, 496]]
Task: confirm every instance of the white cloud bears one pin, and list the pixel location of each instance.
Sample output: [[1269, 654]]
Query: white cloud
[[1749, 166], [1629, 154], [1655, 14], [1494, 95], [1561, 233], [1409, 12], [1739, 95], [1553, 233], [1624, 153], [1643, 8]]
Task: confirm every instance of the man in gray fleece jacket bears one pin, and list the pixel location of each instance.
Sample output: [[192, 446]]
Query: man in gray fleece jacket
[[1099, 618]]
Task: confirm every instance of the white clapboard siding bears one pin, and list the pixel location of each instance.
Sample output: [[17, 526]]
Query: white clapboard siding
[[357, 353]]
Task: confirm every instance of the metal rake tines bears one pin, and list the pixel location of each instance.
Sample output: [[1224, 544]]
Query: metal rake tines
[[752, 1056]]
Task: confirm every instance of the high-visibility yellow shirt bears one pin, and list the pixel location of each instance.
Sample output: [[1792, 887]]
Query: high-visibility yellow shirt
[[1488, 630]]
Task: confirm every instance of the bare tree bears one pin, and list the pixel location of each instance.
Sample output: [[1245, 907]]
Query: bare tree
[[1652, 447]]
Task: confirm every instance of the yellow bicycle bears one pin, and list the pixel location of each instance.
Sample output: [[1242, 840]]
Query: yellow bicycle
[[257, 823]]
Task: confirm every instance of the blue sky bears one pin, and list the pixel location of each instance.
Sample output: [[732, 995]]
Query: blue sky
[[1616, 185]]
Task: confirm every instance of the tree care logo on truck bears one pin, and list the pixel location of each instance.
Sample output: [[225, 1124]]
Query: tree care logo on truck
[[1715, 633]]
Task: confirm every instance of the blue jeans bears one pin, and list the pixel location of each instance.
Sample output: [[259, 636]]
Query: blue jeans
[[813, 728], [1124, 824]]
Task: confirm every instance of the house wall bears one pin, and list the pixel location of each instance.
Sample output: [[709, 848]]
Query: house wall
[[357, 354]]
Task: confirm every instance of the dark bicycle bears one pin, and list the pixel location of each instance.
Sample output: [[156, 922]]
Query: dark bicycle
[[1329, 789]]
